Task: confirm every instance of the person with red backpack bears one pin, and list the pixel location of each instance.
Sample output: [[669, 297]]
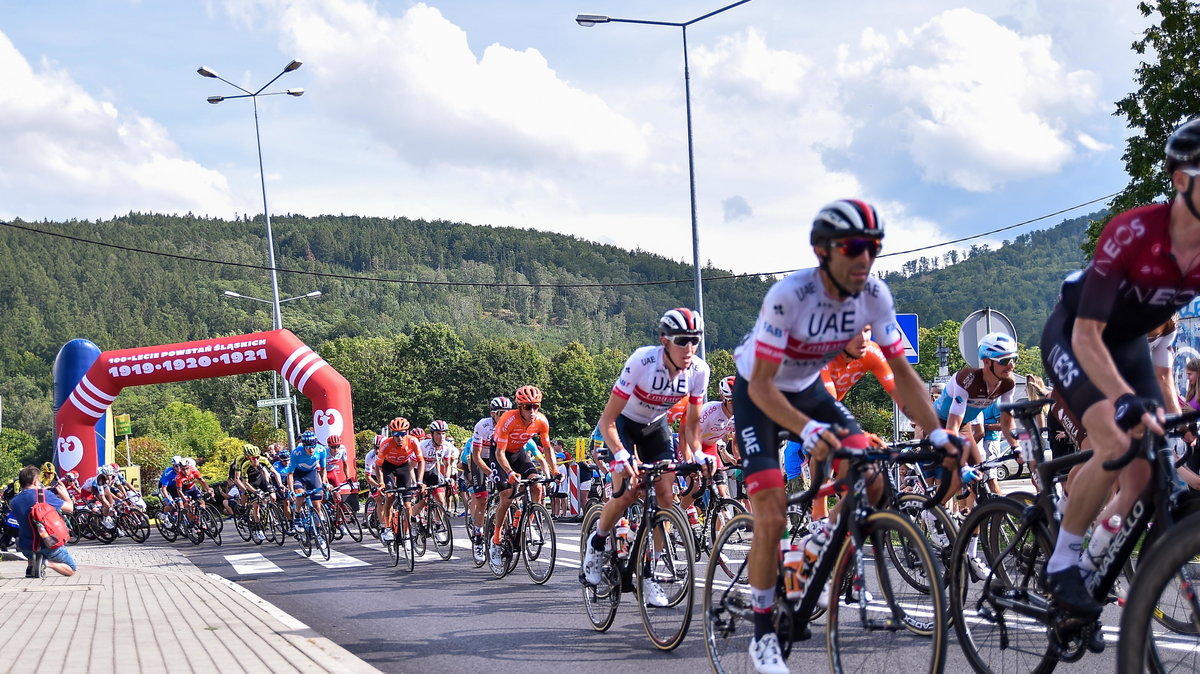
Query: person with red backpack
[[32, 518]]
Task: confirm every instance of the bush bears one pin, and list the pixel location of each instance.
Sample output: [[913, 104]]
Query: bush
[[153, 504], [149, 453], [215, 468]]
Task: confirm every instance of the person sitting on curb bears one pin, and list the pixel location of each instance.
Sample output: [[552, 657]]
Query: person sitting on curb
[[30, 480]]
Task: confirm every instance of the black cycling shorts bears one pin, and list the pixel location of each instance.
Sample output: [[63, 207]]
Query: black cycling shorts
[[759, 436], [648, 442], [522, 464], [396, 475], [431, 478], [309, 481], [1071, 384]]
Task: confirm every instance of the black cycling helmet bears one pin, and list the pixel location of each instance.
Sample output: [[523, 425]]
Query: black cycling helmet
[[1183, 146], [845, 218]]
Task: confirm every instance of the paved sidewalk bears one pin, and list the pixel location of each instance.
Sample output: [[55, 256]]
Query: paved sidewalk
[[147, 609]]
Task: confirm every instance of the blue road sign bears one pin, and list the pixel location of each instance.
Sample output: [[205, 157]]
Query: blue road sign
[[908, 326]]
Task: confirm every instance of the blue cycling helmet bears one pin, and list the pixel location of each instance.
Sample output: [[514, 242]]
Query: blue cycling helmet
[[308, 438], [996, 345]]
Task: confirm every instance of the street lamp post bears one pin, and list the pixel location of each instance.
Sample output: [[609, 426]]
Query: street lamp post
[[275, 375], [589, 20], [293, 65]]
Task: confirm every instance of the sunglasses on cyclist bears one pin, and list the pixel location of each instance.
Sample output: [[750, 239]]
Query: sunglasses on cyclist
[[685, 340], [855, 247], [1005, 361], [530, 406], [399, 434]]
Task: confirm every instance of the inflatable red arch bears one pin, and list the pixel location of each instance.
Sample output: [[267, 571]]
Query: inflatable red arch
[[279, 350]]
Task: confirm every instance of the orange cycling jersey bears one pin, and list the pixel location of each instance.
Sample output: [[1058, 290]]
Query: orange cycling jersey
[[397, 453], [843, 372], [512, 432]]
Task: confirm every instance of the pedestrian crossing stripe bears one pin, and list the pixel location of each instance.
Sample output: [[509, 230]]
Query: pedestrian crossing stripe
[[337, 560], [252, 563]]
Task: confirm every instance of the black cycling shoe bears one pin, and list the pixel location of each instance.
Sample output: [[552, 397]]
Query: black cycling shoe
[[1070, 595]]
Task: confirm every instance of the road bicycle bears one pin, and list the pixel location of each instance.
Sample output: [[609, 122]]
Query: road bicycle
[[433, 523], [195, 521], [131, 520], [1006, 620], [528, 534], [248, 523], [871, 613], [714, 512], [655, 561], [342, 518], [402, 547], [310, 526]]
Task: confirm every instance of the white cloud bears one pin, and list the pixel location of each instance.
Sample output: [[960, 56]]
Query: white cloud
[[415, 84], [979, 104], [67, 153]]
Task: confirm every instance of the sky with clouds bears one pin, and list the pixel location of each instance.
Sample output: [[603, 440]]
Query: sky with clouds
[[953, 120]]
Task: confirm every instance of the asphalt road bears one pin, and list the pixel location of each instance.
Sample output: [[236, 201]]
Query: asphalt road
[[450, 616]]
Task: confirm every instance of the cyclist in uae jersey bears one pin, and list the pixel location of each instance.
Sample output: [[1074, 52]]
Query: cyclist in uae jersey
[[398, 458], [482, 464], [716, 434], [1146, 267], [634, 422], [513, 430], [805, 320], [431, 448]]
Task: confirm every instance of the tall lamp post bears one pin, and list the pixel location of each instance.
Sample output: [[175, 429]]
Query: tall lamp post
[[253, 96], [275, 375], [589, 20]]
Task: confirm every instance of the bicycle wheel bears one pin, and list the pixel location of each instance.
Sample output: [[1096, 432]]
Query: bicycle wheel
[[879, 614], [104, 533], [241, 522], [190, 526], [407, 538], [728, 612], [137, 525], [498, 566], [441, 531], [371, 517], [320, 535], [420, 535], [165, 523], [994, 638], [349, 519], [84, 520], [217, 517], [212, 528], [721, 513], [1167, 584], [72, 528], [666, 579], [277, 524], [936, 527], [395, 547], [600, 601], [538, 544]]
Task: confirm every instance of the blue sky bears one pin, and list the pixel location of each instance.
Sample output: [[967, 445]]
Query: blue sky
[[952, 119]]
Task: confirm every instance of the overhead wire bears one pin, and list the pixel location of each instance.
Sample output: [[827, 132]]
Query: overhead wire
[[380, 279]]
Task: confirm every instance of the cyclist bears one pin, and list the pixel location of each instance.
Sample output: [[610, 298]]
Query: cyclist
[[186, 479], [432, 449], [634, 423], [1095, 350], [856, 359], [398, 455], [513, 430], [370, 467], [716, 434], [483, 462], [254, 474], [805, 320], [168, 491], [100, 487], [308, 466], [971, 390]]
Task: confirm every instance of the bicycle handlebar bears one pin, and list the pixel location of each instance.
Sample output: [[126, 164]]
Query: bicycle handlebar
[[1136, 448]]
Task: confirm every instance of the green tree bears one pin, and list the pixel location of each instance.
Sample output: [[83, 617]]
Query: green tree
[[215, 467], [152, 455], [17, 450], [575, 395], [1165, 97], [927, 348], [185, 429], [721, 363]]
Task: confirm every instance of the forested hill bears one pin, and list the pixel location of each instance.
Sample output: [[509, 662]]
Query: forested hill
[[1019, 279], [54, 290]]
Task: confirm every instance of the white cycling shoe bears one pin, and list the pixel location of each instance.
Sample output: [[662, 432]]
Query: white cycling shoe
[[766, 656]]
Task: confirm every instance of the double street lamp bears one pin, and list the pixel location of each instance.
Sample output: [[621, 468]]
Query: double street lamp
[[253, 96], [589, 20]]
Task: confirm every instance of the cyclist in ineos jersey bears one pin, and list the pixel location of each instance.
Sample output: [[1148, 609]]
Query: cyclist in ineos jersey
[[634, 422], [1146, 267], [806, 319]]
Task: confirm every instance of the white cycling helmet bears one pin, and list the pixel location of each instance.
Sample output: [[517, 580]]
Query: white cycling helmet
[[996, 345], [189, 462], [726, 387]]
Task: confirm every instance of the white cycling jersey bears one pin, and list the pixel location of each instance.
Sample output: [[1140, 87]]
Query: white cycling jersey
[[481, 441], [803, 328], [370, 460], [649, 391], [714, 424], [1162, 349], [433, 452]]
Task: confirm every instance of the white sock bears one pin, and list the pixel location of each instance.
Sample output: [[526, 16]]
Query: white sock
[[1066, 551]]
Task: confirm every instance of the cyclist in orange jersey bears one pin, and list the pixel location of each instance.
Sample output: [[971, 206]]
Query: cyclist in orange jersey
[[513, 430], [398, 457]]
